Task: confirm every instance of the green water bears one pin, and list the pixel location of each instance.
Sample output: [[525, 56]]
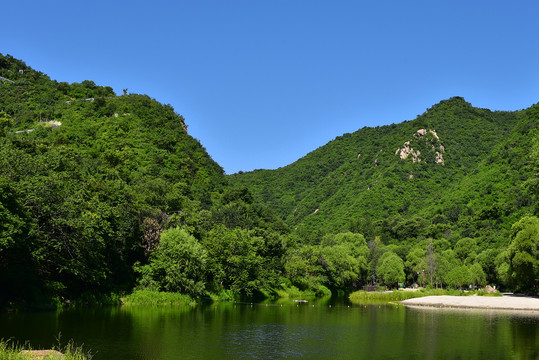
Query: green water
[[242, 331]]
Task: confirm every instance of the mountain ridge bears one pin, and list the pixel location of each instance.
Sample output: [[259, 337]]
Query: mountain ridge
[[466, 134]]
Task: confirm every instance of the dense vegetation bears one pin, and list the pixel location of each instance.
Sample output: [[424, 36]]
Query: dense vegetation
[[86, 195], [448, 193], [102, 194]]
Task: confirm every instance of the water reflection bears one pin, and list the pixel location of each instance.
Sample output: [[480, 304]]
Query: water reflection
[[452, 333], [288, 330]]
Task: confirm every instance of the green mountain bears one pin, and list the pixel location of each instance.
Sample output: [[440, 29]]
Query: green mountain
[[104, 194], [455, 170], [90, 180]]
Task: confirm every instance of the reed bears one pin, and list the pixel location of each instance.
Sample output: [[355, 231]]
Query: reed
[[157, 298]]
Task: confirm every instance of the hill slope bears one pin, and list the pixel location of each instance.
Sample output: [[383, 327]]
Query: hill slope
[[456, 165], [89, 181]]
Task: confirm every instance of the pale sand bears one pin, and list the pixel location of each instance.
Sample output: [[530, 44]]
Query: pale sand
[[476, 302]]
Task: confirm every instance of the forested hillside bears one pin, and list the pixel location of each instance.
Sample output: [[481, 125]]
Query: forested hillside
[[90, 180], [455, 175], [106, 194], [453, 163]]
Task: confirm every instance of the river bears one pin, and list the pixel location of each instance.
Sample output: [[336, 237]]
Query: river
[[319, 330]]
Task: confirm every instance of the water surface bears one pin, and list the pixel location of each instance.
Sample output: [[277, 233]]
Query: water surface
[[292, 331]]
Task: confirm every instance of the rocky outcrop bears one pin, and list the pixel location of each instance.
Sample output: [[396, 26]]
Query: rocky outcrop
[[407, 151], [431, 139]]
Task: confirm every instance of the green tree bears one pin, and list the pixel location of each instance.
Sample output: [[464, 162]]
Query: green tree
[[12, 222], [465, 249], [458, 276], [179, 263], [339, 266], [415, 263], [523, 253], [533, 182], [487, 259], [477, 275], [443, 268], [352, 245], [303, 268], [390, 269], [375, 252], [431, 261], [236, 260]]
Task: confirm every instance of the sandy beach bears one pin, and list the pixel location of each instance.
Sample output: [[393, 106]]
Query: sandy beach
[[476, 302]]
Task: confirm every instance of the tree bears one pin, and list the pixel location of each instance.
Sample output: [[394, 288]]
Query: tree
[[11, 216], [17, 278], [390, 269], [458, 276], [375, 252], [339, 266], [179, 263], [353, 245], [523, 253], [415, 263], [465, 249], [487, 259], [477, 275], [443, 268], [236, 261], [533, 182], [303, 268], [431, 260]]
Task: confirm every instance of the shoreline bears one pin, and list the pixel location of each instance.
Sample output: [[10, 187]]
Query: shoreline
[[519, 303]]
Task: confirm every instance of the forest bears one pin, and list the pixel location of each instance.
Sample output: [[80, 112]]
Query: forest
[[103, 195]]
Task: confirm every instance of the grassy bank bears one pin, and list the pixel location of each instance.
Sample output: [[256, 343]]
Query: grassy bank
[[292, 292], [12, 351], [157, 298], [363, 297]]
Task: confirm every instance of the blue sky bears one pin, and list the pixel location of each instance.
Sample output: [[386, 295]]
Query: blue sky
[[262, 83]]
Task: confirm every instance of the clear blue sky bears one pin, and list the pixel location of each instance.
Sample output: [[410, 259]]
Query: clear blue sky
[[262, 83]]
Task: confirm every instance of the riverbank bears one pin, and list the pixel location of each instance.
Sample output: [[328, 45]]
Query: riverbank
[[363, 297], [476, 302]]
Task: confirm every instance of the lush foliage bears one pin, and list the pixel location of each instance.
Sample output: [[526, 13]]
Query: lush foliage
[[178, 264], [104, 194], [390, 269], [520, 261], [442, 192]]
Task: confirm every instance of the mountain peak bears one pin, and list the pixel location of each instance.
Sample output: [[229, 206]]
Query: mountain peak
[[455, 101]]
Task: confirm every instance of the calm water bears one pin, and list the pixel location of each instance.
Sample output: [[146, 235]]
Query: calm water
[[242, 331]]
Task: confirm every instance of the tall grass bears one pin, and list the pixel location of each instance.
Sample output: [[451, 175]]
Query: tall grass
[[157, 298], [12, 351], [363, 297]]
